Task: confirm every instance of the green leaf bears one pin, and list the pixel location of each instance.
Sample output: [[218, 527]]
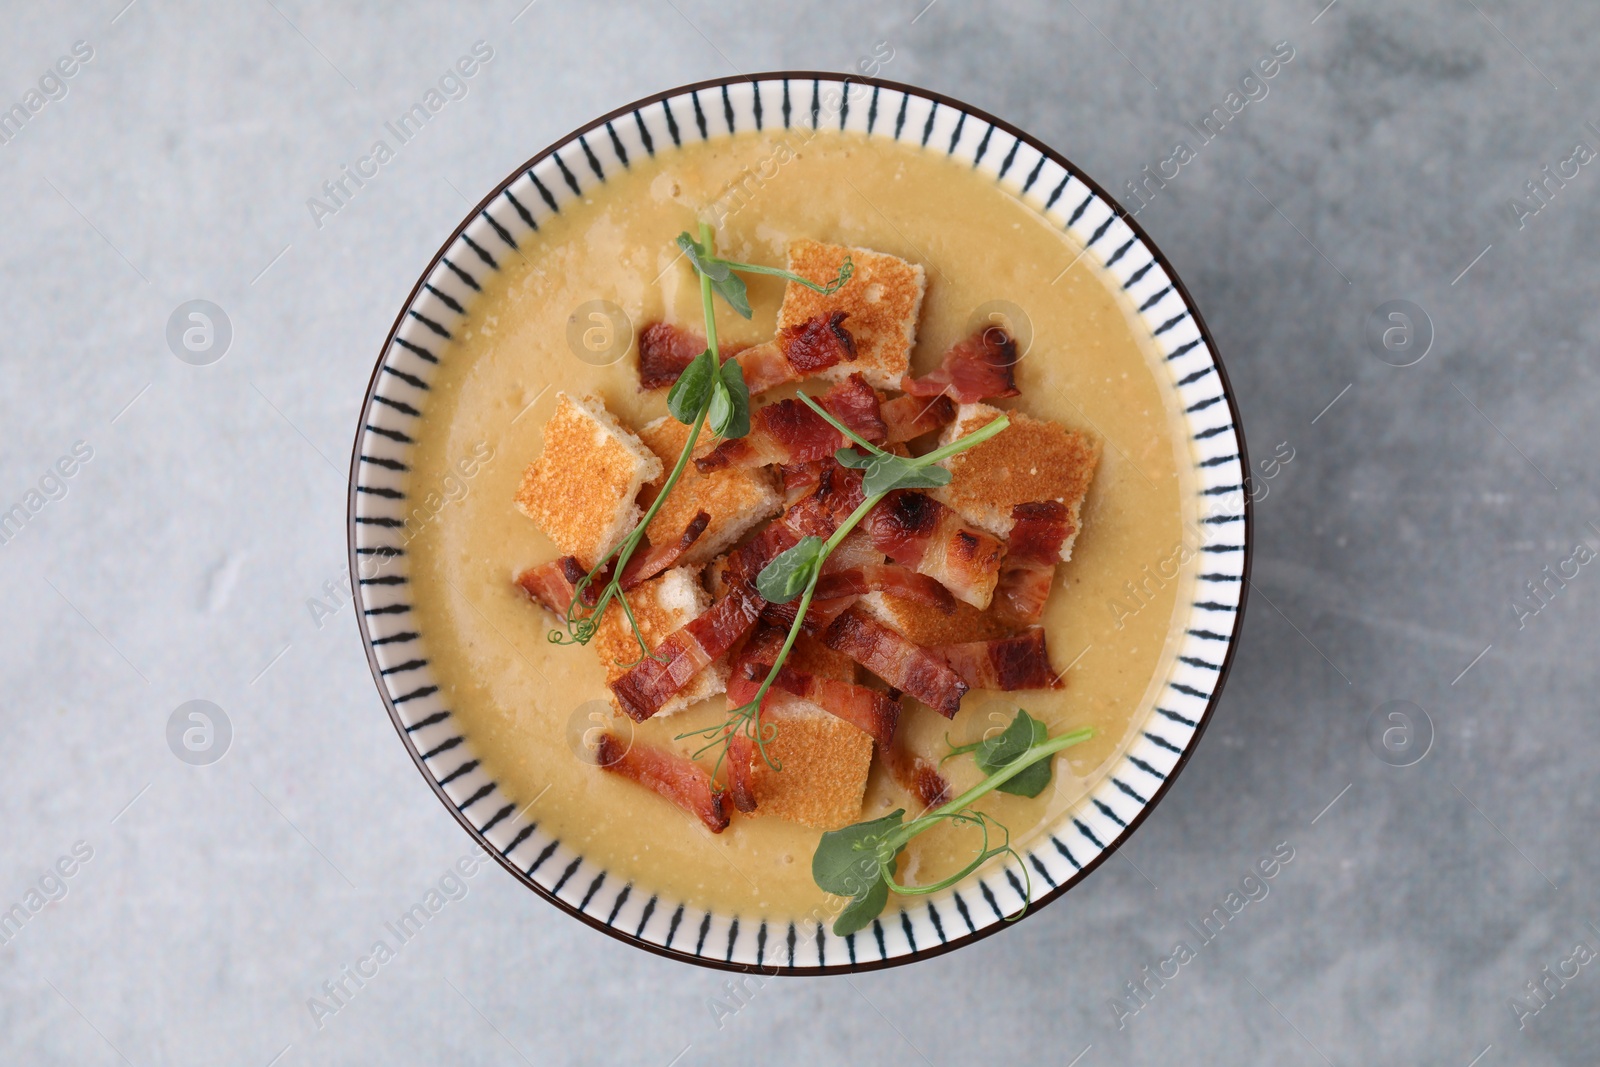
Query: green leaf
[[1012, 744], [846, 862], [863, 909], [889, 472], [702, 260], [790, 571], [738, 422], [849, 457], [690, 392], [721, 409], [733, 291]]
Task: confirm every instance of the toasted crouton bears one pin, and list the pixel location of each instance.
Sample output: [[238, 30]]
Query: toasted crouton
[[1031, 460], [825, 762], [735, 498], [825, 759], [583, 487], [660, 606], [882, 301]]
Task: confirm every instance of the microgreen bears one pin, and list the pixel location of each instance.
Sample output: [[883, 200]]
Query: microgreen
[[795, 571], [994, 752], [723, 274], [859, 861]]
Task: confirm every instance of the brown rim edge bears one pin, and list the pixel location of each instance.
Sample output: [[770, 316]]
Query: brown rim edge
[[920, 953]]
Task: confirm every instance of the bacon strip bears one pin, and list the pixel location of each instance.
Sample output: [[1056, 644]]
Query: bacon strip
[[917, 531], [741, 772], [1008, 663], [681, 781], [682, 654], [553, 584], [873, 713], [885, 578], [790, 432], [799, 351], [649, 561], [1029, 569], [901, 663], [665, 350], [982, 367], [917, 775], [912, 416]]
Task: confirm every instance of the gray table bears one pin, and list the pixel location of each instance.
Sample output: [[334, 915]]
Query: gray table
[[177, 562]]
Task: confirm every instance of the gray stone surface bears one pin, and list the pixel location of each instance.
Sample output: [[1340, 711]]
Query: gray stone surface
[[1390, 550]]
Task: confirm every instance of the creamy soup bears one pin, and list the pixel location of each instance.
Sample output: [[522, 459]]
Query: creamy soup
[[1090, 367]]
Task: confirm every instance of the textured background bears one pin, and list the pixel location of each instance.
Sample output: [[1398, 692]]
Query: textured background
[[1390, 550]]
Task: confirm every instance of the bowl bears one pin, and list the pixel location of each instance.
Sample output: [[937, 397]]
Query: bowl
[[1083, 837]]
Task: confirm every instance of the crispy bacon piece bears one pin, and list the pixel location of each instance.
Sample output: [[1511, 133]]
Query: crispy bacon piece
[[799, 351], [553, 584], [650, 560], [682, 781], [982, 367], [870, 711], [912, 416], [1029, 568], [741, 772], [917, 775], [789, 432], [1016, 662], [901, 663], [885, 578], [917, 531], [665, 350], [683, 653]]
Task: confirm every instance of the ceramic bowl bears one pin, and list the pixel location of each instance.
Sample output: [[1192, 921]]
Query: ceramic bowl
[[912, 927]]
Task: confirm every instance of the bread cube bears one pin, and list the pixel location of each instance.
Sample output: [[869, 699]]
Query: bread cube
[[1029, 461], [583, 489], [882, 300]]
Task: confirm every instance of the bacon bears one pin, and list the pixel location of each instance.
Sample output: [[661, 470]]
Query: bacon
[[1037, 534], [1008, 663], [799, 351], [741, 772], [789, 432], [982, 367], [912, 416], [553, 584], [870, 711], [917, 775], [885, 578], [648, 560], [682, 654], [901, 663], [917, 531], [681, 781], [665, 350]]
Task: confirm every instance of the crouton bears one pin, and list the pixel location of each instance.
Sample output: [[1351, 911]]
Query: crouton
[[660, 606], [882, 301], [825, 762], [582, 489], [1031, 460], [736, 499]]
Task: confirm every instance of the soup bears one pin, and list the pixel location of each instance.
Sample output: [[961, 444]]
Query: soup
[[1090, 367]]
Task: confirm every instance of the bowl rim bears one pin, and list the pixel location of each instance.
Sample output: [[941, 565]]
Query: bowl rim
[[1035, 904]]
